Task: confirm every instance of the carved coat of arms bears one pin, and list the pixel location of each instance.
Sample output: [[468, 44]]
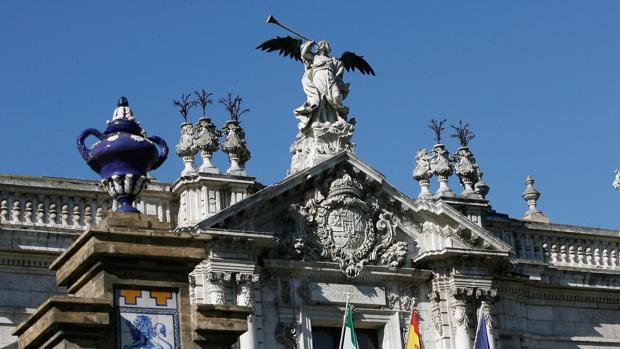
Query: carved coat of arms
[[346, 227]]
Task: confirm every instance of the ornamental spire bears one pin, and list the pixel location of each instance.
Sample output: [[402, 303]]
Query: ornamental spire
[[531, 195]]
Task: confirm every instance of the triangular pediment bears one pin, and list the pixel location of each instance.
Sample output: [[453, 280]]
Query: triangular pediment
[[342, 203]]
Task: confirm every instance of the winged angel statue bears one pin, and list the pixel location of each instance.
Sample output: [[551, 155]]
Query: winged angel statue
[[322, 80]]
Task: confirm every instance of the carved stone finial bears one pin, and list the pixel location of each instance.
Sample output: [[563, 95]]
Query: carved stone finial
[[442, 168], [186, 150], [205, 139], [467, 170], [422, 172], [481, 188], [531, 195], [235, 147]]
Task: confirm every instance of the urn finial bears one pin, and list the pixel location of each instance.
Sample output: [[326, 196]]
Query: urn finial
[[123, 156], [531, 195]]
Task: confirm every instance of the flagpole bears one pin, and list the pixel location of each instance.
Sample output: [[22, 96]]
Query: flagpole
[[344, 320]]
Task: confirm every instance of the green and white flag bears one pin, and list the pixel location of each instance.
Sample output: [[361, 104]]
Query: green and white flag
[[348, 340]]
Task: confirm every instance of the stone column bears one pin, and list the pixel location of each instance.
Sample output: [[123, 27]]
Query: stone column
[[460, 323]]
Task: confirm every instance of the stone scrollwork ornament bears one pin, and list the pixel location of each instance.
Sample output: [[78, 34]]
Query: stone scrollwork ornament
[[351, 232]]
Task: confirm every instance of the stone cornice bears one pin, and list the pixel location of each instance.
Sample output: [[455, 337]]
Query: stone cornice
[[324, 271]]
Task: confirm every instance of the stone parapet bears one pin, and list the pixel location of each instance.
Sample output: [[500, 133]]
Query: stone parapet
[[70, 204], [561, 246], [201, 195]]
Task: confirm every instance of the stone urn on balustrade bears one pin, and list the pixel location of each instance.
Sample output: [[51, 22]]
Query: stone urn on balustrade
[[235, 147], [123, 156]]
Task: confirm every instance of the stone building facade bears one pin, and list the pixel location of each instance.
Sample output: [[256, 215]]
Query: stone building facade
[[218, 260], [276, 254]]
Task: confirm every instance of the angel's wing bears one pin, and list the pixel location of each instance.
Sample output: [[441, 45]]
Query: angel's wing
[[352, 61], [287, 46]]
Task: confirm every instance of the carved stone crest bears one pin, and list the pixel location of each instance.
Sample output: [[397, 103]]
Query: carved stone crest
[[350, 229]]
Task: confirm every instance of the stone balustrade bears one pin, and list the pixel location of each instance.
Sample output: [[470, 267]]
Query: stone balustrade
[[580, 250], [69, 203]]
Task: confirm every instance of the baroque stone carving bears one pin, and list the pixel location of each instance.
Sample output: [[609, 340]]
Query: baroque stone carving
[[423, 173], [402, 297], [205, 139], [467, 170], [235, 147], [350, 231], [442, 168], [435, 299], [215, 286], [186, 149], [288, 334], [245, 292], [320, 142]]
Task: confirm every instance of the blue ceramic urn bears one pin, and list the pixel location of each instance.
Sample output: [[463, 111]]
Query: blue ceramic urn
[[123, 156]]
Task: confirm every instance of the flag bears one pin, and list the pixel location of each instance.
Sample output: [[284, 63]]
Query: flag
[[348, 340], [482, 340], [413, 338]]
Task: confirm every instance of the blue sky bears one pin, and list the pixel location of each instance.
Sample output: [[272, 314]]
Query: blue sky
[[539, 82]]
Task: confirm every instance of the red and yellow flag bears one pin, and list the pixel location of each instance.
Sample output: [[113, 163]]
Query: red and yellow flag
[[413, 338]]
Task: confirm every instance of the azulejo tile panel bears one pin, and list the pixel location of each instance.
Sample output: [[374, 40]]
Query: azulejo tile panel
[[147, 318]]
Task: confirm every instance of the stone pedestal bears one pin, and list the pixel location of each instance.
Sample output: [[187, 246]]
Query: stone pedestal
[[319, 143], [204, 194]]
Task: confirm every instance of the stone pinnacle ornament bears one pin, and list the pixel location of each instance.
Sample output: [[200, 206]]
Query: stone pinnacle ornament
[[123, 156]]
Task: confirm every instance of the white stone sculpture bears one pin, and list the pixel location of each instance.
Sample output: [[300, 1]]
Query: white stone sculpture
[[205, 139], [442, 168], [186, 150], [467, 170], [235, 147], [323, 123], [422, 172], [348, 227], [531, 195]]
